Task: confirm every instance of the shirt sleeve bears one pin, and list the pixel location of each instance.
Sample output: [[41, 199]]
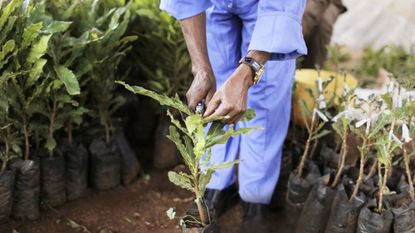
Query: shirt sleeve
[[182, 9], [278, 29]]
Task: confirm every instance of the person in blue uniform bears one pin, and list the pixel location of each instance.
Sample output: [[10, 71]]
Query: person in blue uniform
[[243, 56]]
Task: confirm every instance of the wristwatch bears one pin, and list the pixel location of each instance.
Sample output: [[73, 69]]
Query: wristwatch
[[256, 67]]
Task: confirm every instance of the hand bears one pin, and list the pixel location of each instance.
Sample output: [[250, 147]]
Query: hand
[[231, 99], [203, 87]]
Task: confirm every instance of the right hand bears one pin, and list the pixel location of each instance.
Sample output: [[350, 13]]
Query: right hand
[[203, 87]]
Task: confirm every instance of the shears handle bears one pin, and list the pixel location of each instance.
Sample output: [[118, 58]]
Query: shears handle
[[200, 107]]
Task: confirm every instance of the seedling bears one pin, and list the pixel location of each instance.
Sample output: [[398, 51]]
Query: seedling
[[194, 144], [109, 44], [342, 127], [318, 120], [369, 123]]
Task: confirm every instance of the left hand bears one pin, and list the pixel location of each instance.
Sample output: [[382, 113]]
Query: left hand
[[231, 99]]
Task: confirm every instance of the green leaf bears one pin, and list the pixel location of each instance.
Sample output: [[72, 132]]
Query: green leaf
[[387, 98], [248, 115], [30, 33], [379, 125], [180, 180], [222, 139], [39, 49], [222, 165], [162, 99], [7, 10], [35, 72], [58, 26], [7, 48], [188, 157], [50, 144], [321, 134], [193, 122], [69, 79], [204, 179]]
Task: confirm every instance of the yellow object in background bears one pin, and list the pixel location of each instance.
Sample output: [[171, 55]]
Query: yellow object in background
[[306, 79]]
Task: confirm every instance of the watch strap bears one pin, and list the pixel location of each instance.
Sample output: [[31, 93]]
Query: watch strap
[[255, 66], [251, 62]]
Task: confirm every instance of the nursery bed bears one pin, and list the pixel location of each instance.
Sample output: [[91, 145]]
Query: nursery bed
[[137, 208]]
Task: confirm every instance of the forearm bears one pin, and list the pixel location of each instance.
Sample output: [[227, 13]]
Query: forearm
[[194, 31], [260, 56]]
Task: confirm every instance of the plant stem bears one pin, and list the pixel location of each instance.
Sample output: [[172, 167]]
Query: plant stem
[[408, 173], [202, 215], [382, 187], [372, 171], [307, 146], [26, 139], [313, 149], [7, 150], [3, 166], [52, 125], [361, 171], [69, 129], [342, 159]]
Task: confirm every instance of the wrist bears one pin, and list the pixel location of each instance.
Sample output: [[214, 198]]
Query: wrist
[[246, 75], [205, 70]]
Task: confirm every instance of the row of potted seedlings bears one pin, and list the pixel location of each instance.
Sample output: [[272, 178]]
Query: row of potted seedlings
[[356, 187], [58, 63]]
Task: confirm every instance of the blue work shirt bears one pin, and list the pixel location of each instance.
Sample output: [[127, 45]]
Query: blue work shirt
[[278, 27]]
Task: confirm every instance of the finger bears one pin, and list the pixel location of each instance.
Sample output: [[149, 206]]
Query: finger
[[212, 106], [209, 97], [235, 118], [193, 99], [221, 111]]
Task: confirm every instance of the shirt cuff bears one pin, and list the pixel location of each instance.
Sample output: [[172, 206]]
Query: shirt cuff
[[279, 34], [182, 9]]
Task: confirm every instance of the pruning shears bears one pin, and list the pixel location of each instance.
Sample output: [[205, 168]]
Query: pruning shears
[[200, 107]]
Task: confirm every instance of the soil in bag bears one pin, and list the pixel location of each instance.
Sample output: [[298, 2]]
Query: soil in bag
[[298, 189], [76, 163], [6, 194], [395, 178], [370, 221], [52, 179], [316, 210], [105, 172], [130, 167], [404, 214], [26, 190], [344, 212]]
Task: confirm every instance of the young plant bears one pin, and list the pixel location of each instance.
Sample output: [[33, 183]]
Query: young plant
[[160, 56], [341, 126], [371, 120], [315, 129], [25, 41], [385, 144], [8, 133], [402, 110], [194, 144], [11, 141], [103, 54]]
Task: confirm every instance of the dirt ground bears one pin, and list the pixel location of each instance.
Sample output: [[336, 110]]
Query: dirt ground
[[138, 208]]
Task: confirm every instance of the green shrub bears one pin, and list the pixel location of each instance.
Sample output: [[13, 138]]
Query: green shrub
[[159, 58]]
